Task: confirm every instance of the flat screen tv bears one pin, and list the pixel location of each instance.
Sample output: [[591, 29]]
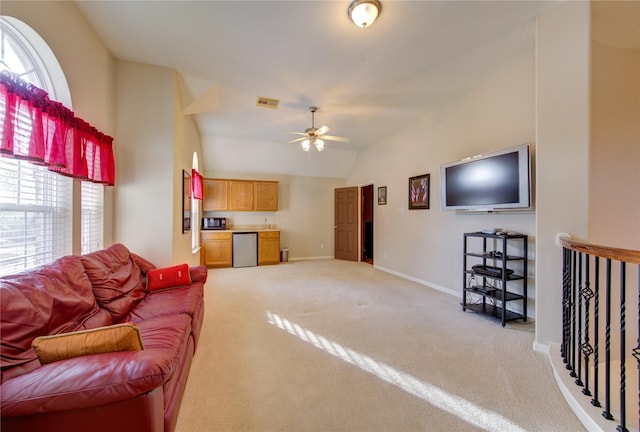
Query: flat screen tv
[[499, 180]]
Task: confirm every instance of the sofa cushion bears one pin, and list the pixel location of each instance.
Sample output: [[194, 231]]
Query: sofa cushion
[[144, 264], [168, 277], [119, 337], [117, 280], [51, 299], [96, 380], [182, 300]]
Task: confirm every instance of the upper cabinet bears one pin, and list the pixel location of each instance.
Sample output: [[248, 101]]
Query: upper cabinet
[[240, 195], [266, 196], [215, 195]]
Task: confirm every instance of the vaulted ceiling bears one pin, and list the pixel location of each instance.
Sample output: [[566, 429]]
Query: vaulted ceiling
[[367, 83]]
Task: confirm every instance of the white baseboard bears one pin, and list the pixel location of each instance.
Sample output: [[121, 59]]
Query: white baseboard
[[541, 348], [437, 287], [589, 415], [420, 281], [311, 258]]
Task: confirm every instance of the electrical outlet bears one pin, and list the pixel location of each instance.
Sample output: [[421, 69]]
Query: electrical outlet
[[321, 245]]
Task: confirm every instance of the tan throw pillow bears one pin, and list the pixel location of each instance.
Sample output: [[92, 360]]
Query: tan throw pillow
[[118, 337]]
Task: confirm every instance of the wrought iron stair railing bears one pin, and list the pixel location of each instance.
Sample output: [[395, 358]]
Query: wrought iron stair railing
[[601, 327]]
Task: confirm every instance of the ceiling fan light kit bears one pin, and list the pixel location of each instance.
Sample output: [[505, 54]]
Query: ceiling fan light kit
[[315, 136], [364, 12]]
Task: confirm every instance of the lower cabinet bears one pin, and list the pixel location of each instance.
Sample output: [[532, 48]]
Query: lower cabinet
[[217, 249], [268, 247]]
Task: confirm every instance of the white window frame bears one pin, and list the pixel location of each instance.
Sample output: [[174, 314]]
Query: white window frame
[[36, 204], [91, 217]]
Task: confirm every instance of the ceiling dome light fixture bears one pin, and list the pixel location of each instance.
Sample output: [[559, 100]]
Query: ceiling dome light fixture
[[364, 12]]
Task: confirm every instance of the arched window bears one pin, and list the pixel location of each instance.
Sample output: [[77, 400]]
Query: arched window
[[36, 205], [195, 213]]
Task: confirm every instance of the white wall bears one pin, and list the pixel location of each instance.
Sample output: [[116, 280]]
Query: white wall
[[562, 137], [156, 142], [145, 181], [305, 213], [186, 143], [426, 245]]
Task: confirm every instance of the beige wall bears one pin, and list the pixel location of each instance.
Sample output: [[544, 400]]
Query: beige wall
[[88, 66], [186, 143], [156, 143], [305, 212], [614, 183], [562, 136], [144, 196], [426, 245]]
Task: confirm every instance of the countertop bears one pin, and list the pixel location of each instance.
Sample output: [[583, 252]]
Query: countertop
[[241, 229]]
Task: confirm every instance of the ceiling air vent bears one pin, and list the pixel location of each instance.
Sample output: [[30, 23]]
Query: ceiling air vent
[[265, 102]]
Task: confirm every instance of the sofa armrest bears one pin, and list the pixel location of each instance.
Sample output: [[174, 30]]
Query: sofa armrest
[[198, 274], [84, 382]]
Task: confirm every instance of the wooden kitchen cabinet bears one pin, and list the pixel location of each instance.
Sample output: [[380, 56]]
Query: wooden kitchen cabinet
[[268, 247], [217, 249], [241, 195], [266, 198], [215, 195]]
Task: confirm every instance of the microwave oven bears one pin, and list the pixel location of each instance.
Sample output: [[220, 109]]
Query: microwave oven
[[214, 223]]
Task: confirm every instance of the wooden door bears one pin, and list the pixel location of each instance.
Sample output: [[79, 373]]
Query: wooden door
[[346, 224]]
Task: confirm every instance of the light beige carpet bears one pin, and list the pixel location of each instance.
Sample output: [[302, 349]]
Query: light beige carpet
[[331, 345]]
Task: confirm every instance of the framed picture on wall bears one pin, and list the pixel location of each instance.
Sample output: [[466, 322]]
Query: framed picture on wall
[[186, 202], [419, 192], [382, 195]]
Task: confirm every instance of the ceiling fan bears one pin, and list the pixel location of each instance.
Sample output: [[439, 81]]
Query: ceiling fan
[[315, 136]]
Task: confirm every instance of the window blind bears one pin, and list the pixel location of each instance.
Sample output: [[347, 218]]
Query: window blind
[[92, 216], [35, 216]]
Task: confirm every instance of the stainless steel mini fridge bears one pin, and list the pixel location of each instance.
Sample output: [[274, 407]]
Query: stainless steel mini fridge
[[245, 249]]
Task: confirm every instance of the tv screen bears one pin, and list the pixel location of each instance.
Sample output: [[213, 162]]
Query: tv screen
[[496, 180]]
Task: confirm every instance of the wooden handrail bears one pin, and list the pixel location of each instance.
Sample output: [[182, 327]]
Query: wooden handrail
[[627, 255]]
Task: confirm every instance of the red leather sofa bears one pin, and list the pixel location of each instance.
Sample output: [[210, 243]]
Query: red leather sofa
[[115, 391]]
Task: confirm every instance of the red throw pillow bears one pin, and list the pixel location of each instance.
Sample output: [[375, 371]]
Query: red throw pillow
[[168, 277]]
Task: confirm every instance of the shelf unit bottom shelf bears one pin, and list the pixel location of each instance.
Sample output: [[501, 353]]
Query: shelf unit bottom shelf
[[493, 311]]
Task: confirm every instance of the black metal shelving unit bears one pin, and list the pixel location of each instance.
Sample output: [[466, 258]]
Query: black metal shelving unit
[[484, 285]]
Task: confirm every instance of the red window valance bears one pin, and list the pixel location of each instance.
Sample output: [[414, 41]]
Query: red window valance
[[45, 132], [196, 184]]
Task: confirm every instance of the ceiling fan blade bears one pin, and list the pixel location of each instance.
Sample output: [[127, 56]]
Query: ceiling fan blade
[[322, 130], [336, 138], [297, 140], [296, 133]]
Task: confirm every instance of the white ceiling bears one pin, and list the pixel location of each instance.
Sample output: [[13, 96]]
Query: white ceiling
[[367, 83]]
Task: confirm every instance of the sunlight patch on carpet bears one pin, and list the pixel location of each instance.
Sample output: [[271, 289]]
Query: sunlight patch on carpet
[[462, 408]]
